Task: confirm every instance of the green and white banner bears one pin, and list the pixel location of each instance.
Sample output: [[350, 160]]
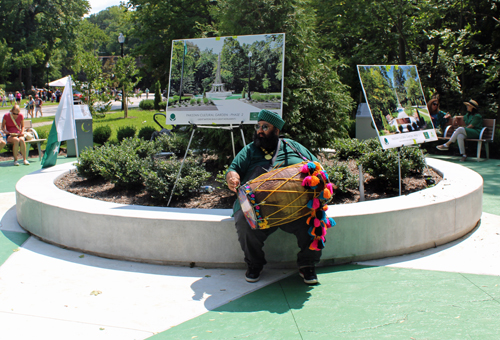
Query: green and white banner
[[63, 128]]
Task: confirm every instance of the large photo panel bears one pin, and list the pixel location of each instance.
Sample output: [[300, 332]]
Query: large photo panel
[[397, 104], [225, 80]]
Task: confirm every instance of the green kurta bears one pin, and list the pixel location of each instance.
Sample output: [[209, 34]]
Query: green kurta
[[250, 157], [477, 121]]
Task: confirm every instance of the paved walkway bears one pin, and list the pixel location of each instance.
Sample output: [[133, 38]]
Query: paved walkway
[[448, 292], [50, 110]]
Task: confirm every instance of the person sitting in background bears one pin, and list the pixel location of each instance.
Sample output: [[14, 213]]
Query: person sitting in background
[[439, 118], [13, 126], [473, 124]]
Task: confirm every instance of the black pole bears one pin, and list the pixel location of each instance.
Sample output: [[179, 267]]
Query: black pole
[[123, 88], [249, 58]]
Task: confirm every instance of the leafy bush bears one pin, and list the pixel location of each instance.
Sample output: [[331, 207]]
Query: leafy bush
[[125, 163], [415, 158], [205, 100], [147, 104], [146, 132], [157, 95], [160, 178], [221, 178], [176, 143], [163, 105], [383, 165], [43, 134], [91, 162], [125, 132], [348, 148], [342, 177], [192, 101], [101, 134]]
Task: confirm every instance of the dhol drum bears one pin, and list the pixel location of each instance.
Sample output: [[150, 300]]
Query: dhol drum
[[277, 197]]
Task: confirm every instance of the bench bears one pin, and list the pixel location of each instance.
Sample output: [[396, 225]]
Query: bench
[[486, 135], [28, 127]]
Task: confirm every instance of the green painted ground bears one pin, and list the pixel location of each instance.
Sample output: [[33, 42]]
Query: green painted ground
[[490, 171], [11, 174], [10, 241], [356, 302]]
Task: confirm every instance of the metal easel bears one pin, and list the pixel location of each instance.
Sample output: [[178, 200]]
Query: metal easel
[[194, 126]]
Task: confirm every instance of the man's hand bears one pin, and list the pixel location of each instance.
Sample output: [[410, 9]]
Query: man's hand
[[233, 180]]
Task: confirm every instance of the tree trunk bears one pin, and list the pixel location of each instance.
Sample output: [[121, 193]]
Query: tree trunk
[[125, 106]]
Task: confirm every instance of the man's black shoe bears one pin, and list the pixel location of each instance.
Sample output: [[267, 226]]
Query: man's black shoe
[[309, 275], [253, 274]]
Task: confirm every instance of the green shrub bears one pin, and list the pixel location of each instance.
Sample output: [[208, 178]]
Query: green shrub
[[160, 178], [101, 134], [145, 132], [176, 143], [342, 177], [415, 157], [91, 162], [157, 95], [43, 134], [198, 101], [125, 132], [192, 101], [147, 104], [348, 148], [163, 106], [372, 144], [125, 163], [205, 100], [383, 164]]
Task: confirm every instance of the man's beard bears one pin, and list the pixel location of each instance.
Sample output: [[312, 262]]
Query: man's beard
[[269, 143]]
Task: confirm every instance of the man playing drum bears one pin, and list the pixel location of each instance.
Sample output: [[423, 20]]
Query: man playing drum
[[259, 153]]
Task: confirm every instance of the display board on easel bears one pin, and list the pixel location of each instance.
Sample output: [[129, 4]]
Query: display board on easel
[[226, 80], [397, 104]]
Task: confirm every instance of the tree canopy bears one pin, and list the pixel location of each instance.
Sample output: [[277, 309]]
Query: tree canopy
[[454, 44]]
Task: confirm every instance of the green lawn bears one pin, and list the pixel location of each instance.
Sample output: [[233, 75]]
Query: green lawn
[[136, 117]]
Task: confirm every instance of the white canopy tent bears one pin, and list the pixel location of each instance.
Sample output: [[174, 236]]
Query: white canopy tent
[[60, 82]]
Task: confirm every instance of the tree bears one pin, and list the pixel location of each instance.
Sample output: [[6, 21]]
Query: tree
[[34, 29], [158, 22], [126, 74], [454, 44], [315, 104]]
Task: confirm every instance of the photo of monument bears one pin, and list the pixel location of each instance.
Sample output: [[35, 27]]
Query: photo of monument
[[225, 80]]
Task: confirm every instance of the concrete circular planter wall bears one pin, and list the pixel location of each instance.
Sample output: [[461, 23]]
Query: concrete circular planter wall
[[364, 230]]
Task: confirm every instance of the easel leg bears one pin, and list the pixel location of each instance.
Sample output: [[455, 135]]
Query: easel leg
[[399, 169], [232, 140], [182, 164]]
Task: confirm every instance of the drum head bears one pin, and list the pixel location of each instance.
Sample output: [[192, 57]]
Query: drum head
[[247, 208]]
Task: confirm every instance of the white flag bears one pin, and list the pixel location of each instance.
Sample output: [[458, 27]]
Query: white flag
[[65, 115]]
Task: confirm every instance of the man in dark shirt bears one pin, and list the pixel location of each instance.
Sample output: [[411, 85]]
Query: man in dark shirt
[[259, 153]]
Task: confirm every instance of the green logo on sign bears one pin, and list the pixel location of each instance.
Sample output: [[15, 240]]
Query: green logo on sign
[[172, 117]]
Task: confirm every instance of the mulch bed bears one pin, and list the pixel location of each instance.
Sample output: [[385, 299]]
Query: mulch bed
[[222, 198]]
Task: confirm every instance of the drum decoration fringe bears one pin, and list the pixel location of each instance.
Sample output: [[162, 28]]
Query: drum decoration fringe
[[318, 178], [260, 221]]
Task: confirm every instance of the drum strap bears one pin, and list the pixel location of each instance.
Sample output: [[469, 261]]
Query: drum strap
[[294, 149]]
